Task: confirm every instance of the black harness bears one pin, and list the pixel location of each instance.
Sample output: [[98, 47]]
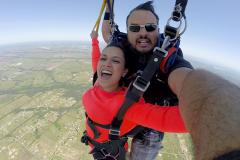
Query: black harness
[[111, 149]]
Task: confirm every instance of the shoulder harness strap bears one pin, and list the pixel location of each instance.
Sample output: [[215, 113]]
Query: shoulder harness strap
[[92, 125]]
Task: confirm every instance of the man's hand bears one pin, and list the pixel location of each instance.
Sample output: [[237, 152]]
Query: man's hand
[[94, 34], [176, 79], [210, 109]]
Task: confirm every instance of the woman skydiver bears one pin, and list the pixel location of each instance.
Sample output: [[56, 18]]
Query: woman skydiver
[[104, 99]]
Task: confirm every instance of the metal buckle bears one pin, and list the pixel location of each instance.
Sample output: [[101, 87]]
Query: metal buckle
[[142, 82], [84, 139], [114, 132], [107, 155], [166, 102], [161, 50], [179, 29]]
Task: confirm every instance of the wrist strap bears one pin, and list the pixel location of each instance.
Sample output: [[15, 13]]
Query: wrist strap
[[106, 16]]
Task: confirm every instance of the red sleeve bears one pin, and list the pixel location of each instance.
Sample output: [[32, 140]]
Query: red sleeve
[[95, 54], [161, 118]]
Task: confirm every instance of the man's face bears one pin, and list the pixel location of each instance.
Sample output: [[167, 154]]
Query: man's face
[[142, 40]]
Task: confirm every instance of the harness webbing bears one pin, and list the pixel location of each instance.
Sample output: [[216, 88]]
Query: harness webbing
[[114, 27], [182, 4], [113, 149], [106, 126], [92, 125], [110, 7]]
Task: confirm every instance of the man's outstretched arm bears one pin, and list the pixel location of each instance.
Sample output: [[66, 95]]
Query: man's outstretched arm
[[210, 107], [106, 27]]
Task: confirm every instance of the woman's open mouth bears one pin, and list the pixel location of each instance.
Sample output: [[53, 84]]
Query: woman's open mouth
[[106, 74]]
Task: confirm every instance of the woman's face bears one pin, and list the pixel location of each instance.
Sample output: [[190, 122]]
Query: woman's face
[[110, 68]]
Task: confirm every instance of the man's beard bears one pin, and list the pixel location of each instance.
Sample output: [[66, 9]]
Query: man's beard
[[141, 57]]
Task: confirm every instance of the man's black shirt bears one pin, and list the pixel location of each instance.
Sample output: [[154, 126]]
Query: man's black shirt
[[158, 92]]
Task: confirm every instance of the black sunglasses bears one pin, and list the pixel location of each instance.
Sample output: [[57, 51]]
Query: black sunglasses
[[137, 27]]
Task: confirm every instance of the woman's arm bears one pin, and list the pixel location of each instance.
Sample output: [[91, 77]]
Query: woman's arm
[[161, 118], [95, 50]]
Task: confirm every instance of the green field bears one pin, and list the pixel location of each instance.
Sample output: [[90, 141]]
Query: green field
[[41, 116]]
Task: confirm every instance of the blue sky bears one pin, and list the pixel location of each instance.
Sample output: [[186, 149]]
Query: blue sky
[[213, 25]]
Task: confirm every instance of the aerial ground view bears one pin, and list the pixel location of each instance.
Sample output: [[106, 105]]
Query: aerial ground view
[[41, 115]]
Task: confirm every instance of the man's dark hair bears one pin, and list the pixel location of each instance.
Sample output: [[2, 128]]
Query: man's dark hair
[[147, 6]]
